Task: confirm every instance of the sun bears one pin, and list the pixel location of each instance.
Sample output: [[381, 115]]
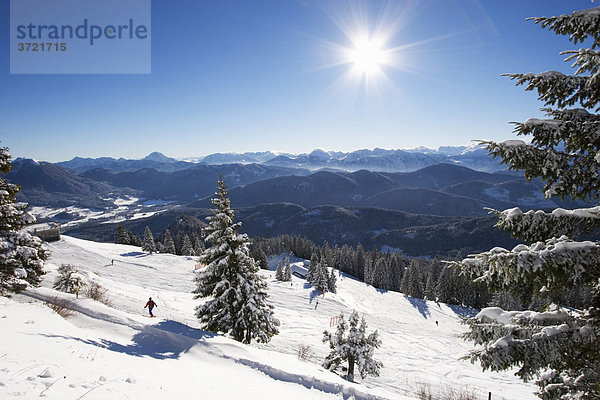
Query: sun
[[367, 56], [367, 49]]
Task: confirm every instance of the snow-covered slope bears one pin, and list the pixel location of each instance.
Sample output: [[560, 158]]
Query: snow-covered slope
[[117, 352]]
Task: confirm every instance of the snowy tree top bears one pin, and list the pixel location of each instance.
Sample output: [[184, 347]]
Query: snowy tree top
[[578, 25]]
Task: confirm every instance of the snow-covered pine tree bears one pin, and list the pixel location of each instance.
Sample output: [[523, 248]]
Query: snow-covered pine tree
[[178, 239], [413, 281], [259, 255], [279, 271], [432, 279], [287, 270], [256, 320], [66, 280], [148, 243], [197, 244], [22, 255], [237, 296], [320, 277], [450, 286], [382, 272], [136, 240], [312, 268], [360, 260], [122, 235], [326, 255], [351, 344], [187, 249], [168, 243], [505, 301], [558, 346], [332, 281]]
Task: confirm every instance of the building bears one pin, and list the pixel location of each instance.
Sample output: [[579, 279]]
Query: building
[[46, 232]]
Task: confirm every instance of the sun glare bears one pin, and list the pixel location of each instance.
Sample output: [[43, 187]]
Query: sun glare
[[367, 56], [368, 53]]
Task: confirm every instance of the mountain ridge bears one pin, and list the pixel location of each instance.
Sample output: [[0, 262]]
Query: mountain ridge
[[393, 160]]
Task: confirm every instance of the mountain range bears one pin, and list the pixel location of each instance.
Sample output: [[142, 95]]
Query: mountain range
[[440, 208], [441, 189], [373, 160], [49, 185]]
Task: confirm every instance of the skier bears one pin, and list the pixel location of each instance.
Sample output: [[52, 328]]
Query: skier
[[150, 304]]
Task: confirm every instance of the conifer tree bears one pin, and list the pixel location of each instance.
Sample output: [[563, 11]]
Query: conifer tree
[[122, 235], [312, 268], [237, 295], [326, 255], [287, 270], [351, 344], [332, 282], [179, 241], [136, 240], [279, 271], [558, 346], [259, 255], [432, 279], [320, 277], [197, 244], [505, 301], [447, 286], [412, 282], [22, 255], [381, 273], [67, 278], [187, 249], [148, 243], [168, 243]]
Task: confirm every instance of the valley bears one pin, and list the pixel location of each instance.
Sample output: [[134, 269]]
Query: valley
[[438, 209]]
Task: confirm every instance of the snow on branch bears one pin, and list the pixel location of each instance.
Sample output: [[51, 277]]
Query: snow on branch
[[535, 341], [565, 174], [579, 25], [575, 130], [537, 225], [515, 348], [558, 89], [560, 347], [554, 265], [586, 61]]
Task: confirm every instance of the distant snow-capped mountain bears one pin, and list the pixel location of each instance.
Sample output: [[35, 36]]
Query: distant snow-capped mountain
[[158, 157], [380, 160], [383, 160], [154, 160], [237, 158]]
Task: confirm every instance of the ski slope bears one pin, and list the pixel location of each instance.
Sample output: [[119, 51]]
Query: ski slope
[[118, 352]]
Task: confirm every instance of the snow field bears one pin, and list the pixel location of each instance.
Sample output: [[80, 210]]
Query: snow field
[[118, 352]]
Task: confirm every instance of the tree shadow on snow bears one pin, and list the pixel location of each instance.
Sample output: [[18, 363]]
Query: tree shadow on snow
[[167, 339], [462, 311], [347, 392], [315, 293], [420, 305], [133, 254]]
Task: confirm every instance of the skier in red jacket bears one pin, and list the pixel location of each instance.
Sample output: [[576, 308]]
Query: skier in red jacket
[[150, 304]]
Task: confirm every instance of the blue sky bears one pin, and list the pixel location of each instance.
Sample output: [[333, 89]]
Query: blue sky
[[236, 76]]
